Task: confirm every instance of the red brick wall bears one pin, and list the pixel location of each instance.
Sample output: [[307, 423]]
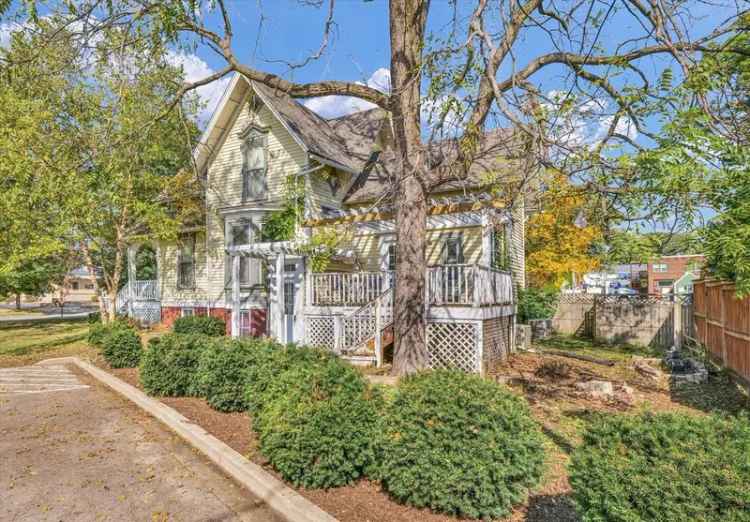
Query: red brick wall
[[258, 321], [676, 267]]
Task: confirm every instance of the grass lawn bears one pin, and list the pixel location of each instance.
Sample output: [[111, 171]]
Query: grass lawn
[[25, 343]]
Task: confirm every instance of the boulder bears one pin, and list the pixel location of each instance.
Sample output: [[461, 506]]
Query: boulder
[[596, 389]]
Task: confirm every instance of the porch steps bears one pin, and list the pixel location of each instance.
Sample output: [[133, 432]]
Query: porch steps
[[367, 347], [360, 360]]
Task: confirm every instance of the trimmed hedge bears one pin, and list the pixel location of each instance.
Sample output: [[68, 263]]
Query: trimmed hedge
[[319, 423], [222, 371], [200, 324], [99, 331], [122, 348], [667, 467], [169, 365], [459, 444], [271, 361]]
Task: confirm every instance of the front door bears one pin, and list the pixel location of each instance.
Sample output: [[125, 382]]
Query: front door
[[291, 309]]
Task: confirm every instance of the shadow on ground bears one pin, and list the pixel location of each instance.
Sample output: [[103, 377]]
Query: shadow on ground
[[720, 394], [545, 508]]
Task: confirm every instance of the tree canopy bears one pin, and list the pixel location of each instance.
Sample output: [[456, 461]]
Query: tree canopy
[[91, 160]]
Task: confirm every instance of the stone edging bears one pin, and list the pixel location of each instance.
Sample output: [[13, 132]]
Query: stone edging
[[278, 496]]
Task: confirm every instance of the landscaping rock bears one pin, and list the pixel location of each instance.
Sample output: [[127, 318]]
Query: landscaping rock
[[643, 367], [596, 389], [540, 328], [625, 394], [523, 337]]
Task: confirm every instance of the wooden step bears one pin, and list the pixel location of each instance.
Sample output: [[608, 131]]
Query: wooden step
[[360, 360]]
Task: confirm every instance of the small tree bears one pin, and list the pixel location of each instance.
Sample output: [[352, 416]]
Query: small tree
[[34, 278], [121, 155], [559, 242]]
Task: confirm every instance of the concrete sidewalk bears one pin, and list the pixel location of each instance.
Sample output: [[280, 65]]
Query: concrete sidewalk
[[88, 454]]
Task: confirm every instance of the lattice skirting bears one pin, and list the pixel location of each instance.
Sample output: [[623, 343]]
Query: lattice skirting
[[455, 345], [496, 341], [320, 331], [147, 312]]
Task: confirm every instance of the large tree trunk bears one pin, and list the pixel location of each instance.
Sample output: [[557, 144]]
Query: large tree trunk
[[408, 19]]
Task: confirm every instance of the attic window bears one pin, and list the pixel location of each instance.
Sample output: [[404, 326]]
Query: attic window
[[254, 163]]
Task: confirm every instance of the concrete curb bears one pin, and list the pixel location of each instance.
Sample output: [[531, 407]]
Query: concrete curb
[[277, 495]]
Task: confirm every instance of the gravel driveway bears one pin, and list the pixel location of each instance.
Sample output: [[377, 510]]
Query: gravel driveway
[[73, 450]]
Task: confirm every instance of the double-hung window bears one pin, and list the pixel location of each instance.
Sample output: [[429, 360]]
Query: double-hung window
[[242, 234], [254, 164], [455, 277], [186, 262]]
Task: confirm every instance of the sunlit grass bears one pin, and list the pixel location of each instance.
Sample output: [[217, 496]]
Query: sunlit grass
[[26, 343]]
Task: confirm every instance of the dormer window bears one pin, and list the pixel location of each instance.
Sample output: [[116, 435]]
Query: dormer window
[[254, 163]]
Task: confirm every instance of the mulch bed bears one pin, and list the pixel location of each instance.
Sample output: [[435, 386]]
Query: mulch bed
[[363, 501], [545, 388]]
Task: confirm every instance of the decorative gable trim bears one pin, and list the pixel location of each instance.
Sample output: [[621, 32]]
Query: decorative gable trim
[[278, 117]]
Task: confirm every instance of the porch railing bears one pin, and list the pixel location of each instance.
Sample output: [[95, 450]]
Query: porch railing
[[146, 289], [474, 285], [447, 285], [348, 289]]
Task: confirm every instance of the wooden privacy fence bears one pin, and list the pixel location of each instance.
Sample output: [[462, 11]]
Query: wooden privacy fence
[[646, 320], [722, 324]]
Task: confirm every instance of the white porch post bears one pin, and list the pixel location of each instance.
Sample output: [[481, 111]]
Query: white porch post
[[308, 282], [280, 297], [487, 246], [132, 249], [235, 295], [378, 335]]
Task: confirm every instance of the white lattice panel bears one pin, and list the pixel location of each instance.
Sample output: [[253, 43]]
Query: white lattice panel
[[147, 312], [454, 345], [357, 329], [320, 331]]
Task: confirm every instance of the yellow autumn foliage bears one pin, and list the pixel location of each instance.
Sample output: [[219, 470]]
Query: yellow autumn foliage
[[556, 245]]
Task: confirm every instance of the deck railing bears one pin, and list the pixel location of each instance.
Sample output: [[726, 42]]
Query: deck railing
[[447, 285], [146, 289], [348, 288]]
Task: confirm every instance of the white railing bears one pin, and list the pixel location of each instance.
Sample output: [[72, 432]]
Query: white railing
[[474, 285], [146, 290], [347, 289], [447, 285], [368, 322]]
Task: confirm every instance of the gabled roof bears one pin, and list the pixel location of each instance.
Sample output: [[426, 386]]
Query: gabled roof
[[336, 142], [350, 142]]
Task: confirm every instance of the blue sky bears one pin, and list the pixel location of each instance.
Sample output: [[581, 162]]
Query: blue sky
[[359, 50]]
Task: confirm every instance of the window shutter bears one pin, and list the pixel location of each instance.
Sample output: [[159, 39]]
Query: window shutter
[[460, 247]]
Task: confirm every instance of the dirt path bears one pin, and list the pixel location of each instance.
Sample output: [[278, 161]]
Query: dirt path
[[87, 454]]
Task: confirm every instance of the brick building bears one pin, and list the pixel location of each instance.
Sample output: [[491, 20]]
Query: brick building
[[664, 271]]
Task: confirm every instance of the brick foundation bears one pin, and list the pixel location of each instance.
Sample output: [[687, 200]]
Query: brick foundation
[[258, 323]]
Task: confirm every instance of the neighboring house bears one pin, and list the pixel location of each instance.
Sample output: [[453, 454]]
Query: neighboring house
[[256, 140], [663, 272]]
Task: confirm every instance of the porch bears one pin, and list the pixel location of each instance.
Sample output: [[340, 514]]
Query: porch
[[469, 313], [447, 285]]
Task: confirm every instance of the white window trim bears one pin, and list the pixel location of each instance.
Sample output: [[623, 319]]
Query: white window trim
[[185, 309]]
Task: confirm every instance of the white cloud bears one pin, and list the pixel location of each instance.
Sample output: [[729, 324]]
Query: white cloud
[[585, 124], [335, 106], [5, 31], [195, 68]]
